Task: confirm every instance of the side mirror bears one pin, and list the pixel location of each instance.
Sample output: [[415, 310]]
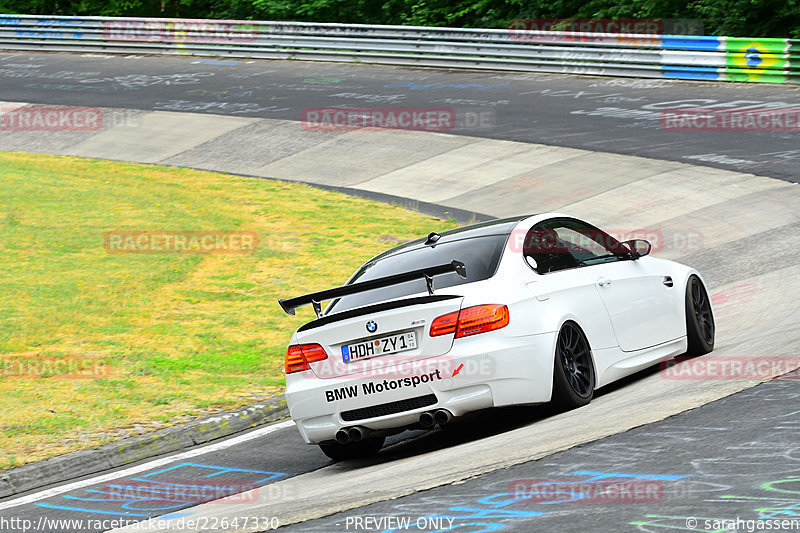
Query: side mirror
[[638, 247]]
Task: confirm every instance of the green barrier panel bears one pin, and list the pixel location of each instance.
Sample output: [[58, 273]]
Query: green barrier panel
[[755, 75], [756, 59], [794, 57], [763, 45]]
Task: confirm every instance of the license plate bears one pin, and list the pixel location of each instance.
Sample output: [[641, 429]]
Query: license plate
[[382, 346]]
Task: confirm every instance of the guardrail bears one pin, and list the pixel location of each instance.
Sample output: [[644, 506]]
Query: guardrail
[[600, 54]]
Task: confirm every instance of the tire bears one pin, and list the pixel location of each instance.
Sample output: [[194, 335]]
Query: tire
[[353, 450], [700, 328], [573, 372]]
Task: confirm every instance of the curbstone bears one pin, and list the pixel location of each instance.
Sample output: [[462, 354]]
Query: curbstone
[[461, 216], [143, 446], [5, 487], [130, 450], [71, 465], [217, 426]]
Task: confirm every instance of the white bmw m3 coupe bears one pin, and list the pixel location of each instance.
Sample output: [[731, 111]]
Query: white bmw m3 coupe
[[525, 310]]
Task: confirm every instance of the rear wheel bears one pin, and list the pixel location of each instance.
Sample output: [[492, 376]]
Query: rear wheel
[[700, 326], [352, 450], [573, 373]]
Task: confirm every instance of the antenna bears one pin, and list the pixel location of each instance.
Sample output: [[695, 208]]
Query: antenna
[[433, 238]]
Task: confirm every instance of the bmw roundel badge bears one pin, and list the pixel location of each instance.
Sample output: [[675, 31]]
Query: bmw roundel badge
[[372, 327]]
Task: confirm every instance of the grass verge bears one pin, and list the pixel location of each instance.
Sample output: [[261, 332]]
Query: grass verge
[[97, 345]]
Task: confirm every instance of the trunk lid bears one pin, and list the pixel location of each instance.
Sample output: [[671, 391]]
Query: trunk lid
[[381, 338]]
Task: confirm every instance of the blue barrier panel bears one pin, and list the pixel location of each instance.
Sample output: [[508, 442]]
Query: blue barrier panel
[[691, 42], [690, 73], [49, 34], [11, 20]]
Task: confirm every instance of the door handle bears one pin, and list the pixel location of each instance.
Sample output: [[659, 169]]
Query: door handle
[[603, 281], [668, 281]]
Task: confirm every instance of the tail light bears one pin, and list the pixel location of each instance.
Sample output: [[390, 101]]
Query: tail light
[[445, 324], [471, 321], [299, 355]]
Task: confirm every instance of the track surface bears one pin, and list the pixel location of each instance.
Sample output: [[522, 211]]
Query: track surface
[[610, 115], [748, 252], [710, 464], [169, 484]]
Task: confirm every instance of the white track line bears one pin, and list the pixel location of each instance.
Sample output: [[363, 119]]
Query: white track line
[[55, 491]]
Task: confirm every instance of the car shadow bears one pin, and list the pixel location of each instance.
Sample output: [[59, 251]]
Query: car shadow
[[477, 425]]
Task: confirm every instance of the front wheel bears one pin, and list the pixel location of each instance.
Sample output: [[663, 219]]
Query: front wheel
[[700, 326], [573, 373], [352, 450]]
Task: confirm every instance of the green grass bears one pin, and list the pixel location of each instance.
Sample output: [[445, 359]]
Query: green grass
[[172, 334]]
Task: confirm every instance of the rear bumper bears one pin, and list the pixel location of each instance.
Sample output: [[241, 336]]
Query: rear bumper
[[492, 371]]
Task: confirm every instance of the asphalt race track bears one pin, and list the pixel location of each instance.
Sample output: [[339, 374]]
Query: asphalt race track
[[587, 146], [699, 466], [707, 464], [592, 113]]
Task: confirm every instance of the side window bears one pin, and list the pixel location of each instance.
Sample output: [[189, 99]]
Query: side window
[[568, 243], [547, 251]]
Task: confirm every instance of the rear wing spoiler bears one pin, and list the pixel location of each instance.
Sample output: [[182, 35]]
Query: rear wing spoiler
[[316, 298]]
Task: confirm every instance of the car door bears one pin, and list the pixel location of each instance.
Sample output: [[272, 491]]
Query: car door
[[640, 301], [568, 291]]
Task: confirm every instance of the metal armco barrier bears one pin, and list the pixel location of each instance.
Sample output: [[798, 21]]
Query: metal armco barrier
[[600, 54]]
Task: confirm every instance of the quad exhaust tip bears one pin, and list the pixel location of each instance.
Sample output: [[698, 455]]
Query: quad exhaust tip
[[431, 418], [353, 434], [356, 434], [428, 420], [442, 417], [343, 436]]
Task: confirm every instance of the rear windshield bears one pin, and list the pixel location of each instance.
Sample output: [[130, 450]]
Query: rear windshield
[[481, 256]]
